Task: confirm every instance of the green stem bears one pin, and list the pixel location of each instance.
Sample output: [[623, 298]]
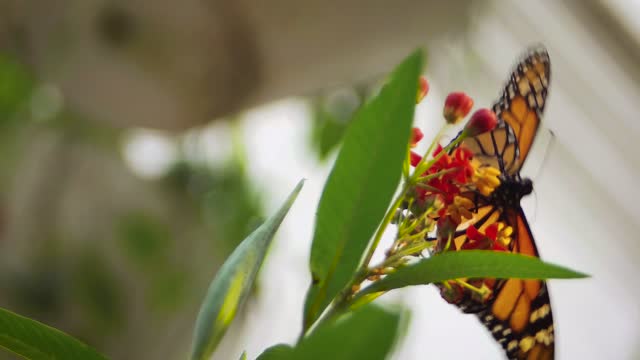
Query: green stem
[[385, 222], [424, 166], [399, 255], [431, 146], [434, 175]]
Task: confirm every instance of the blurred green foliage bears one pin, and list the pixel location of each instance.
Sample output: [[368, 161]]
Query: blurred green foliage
[[331, 114], [99, 293], [132, 248], [229, 208], [144, 239], [16, 85]]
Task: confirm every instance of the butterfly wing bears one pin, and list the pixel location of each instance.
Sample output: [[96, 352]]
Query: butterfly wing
[[518, 315], [519, 110]]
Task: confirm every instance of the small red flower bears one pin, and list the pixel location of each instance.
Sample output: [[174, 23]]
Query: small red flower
[[415, 158], [416, 136], [444, 160], [446, 188], [481, 121], [498, 247], [423, 89], [476, 240], [473, 234], [457, 106], [492, 231], [462, 163], [454, 171], [458, 165]]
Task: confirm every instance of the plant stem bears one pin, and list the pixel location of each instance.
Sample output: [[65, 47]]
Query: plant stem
[[399, 255]]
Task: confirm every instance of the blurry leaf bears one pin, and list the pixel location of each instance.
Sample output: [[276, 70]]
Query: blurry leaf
[[331, 115], [230, 208], [328, 132], [16, 85], [144, 239], [361, 185], [280, 351], [33, 340], [471, 264], [147, 242], [99, 291], [168, 289], [232, 284], [243, 356], [369, 333]]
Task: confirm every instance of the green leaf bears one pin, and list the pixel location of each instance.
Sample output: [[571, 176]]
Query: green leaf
[[33, 340], [280, 351], [471, 264], [369, 333], [16, 86], [361, 185], [231, 286], [243, 356]]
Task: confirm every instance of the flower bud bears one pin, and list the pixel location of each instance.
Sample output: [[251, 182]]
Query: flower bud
[[457, 106], [415, 158], [416, 136], [423, 89], [481, 121]]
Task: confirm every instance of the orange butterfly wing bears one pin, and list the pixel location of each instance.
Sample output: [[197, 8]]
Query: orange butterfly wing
[[519, 313], [519, 316], [519, 111]]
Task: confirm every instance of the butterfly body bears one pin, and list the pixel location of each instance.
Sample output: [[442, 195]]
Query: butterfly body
[[517, 312]]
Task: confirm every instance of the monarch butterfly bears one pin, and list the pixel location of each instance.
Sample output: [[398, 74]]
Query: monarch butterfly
[[518, 314]]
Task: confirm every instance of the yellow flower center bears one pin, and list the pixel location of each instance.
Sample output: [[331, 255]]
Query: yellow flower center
[[485, 178], [504, 234]]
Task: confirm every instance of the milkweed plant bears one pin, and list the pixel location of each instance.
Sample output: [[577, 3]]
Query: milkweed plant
[[377, 184]]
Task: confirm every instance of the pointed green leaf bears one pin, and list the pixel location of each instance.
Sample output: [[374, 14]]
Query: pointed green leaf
[[33, 340], [471, 264], [232, 284], [243, 356], [361, 185], [276, 352], [369, 333]]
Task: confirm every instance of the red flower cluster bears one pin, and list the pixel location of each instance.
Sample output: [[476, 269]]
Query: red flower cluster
[[441, 190], [456, 171], [476, 240], [441, 185]]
